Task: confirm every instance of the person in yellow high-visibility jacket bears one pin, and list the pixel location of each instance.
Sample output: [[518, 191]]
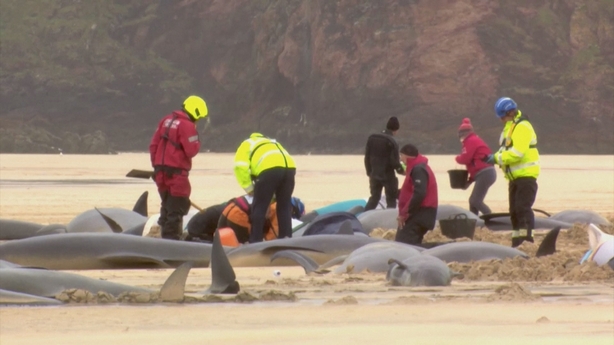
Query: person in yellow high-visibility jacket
[[518, 157], [264, 168]]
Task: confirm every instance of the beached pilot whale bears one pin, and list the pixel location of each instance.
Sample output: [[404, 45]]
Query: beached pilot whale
[[110, 219], [480, 251], [372, 257], [103, 251], [36, 286], [421, 270], [17, 229], [320, 248]]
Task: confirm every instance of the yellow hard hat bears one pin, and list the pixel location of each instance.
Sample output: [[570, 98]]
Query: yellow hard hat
[[195, 107]]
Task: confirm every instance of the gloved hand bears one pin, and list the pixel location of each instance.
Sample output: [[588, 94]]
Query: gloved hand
[[490, 159]]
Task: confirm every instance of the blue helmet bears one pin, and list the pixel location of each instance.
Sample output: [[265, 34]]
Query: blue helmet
[[503, 105], [298, 208]]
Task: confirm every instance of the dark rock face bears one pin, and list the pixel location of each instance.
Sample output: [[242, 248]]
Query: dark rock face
[[318, 75]]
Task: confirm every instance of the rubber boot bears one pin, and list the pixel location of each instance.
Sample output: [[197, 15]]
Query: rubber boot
[[516, 242], [515, 238], [177, 207], [523, 235], [526, 235]]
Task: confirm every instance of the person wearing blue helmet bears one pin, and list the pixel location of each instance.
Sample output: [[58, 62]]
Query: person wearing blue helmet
[[518, 157], [298, 208]]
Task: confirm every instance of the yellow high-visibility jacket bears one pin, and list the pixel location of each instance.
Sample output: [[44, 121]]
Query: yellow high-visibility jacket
[[256, 154], [518, 155]]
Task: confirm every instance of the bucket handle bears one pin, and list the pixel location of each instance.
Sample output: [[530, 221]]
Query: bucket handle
[[458, 216]]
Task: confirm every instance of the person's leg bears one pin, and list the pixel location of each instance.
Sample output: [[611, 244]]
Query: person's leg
[[177, 206], [525, 197], [411, 233], [264, 189], [375, 187], [163, 192], [391, 188], [512, 209], [483, 180], [283, 196]]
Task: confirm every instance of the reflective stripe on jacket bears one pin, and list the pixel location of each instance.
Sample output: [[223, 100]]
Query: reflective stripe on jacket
[[518, 155], [257, 154]]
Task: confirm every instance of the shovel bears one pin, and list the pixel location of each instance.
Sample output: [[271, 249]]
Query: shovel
[[148, 174]]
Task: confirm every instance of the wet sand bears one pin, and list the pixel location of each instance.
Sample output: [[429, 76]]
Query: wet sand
[[573, 307]]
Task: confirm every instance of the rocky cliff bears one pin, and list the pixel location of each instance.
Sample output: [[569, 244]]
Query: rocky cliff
[[319, 75]]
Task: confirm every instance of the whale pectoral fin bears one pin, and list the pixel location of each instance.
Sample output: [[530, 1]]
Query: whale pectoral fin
[[174, 287], [275, 249], [548, 245], [346, 228], [333, 262], [116, 228], [308, 264], [131, 259], [399, 263]]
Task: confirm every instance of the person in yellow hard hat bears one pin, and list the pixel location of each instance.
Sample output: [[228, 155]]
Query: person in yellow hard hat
[[518, 157], [173, 145], [264, 168]]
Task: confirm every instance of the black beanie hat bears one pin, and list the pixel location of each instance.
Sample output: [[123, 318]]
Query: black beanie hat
[[409, 150], [393, 124]]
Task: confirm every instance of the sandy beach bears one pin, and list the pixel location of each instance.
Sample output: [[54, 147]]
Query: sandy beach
[[565, 303]]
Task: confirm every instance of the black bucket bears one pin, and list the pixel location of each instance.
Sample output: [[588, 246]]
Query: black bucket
[[458, 226], [458, 178]]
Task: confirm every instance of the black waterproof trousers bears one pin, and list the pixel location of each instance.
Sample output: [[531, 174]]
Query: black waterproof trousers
[[417, 226], [172, 210], [278, 182], [391, 188], [522, 193]]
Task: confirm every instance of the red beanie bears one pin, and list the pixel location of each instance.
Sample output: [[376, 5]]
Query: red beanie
[[465, 126]]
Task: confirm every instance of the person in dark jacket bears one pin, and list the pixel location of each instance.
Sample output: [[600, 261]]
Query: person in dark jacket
[[202, 225], [381, 161], [173, 145], [472, 155], [418, 200]]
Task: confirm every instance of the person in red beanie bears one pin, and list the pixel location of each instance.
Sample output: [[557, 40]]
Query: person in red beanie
[[418, 199], [483, 174]]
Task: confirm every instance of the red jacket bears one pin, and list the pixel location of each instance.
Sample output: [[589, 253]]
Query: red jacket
[[182, 143], [474, 149], [415, 193]]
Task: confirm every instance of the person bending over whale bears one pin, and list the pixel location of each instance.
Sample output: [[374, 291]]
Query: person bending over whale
[[418, 198], [235, 214]]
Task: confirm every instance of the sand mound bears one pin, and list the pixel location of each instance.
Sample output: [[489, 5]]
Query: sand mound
[[562, 266], [347, 300], [512, 293]]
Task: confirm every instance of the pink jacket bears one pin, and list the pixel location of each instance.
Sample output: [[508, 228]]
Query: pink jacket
[[474, 150]]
